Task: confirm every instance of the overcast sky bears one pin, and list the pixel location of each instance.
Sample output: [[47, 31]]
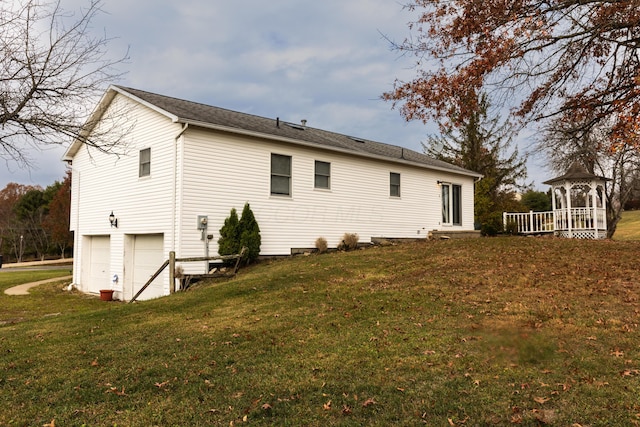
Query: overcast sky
[[323, 61]]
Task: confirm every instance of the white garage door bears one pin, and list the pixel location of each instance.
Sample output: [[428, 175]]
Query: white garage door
[[147, 258], [98, 263]]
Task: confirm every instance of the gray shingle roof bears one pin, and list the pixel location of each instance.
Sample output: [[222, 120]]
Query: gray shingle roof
[[576, 172], [206, 115]]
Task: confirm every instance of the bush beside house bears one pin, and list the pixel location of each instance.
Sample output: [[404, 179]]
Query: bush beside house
[[238, 233]]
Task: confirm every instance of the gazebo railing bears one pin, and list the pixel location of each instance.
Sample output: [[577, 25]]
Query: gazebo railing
[[577, 219], [581, 219]]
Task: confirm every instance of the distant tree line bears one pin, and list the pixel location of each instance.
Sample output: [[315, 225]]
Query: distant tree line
[[34, 222]]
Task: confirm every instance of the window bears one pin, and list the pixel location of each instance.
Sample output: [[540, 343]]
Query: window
[[145, 162], [322, 175], [451, 204], [394, 184], [280, 174]]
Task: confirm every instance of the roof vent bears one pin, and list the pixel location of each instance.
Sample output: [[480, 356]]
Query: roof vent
[[360, 140], [304, 122]]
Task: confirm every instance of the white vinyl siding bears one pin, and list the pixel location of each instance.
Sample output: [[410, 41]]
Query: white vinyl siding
[[223, 171]]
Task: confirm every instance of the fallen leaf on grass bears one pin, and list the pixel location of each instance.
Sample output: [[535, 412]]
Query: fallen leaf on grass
[[368, 402], [346, 410], [327, 406], [565, 386], [115, 391], [545, 416], [95, 362], [162, 384], [617, 353], [51, 424], [541, 400], [266, 407]]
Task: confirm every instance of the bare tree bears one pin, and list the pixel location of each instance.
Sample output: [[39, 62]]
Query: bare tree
[[53, 69], [565, 141]]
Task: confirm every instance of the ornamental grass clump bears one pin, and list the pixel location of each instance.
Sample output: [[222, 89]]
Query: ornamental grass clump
[[321, 245], [349, 242]]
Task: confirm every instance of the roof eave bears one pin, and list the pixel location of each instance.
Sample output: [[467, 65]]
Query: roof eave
[[563, 179]]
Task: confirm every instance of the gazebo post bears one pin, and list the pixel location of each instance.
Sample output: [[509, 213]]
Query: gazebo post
[[604, 206], [553, 209], [594, 206], [567, 195]]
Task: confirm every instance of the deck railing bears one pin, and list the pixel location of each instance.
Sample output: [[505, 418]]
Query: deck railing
[[577, 219], [528, 222]]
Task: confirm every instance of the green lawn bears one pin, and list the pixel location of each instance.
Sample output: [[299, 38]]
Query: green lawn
[[629, 226], [42, 301], [495, 331]]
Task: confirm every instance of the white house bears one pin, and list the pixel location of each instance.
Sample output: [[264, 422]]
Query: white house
[[186, 161]]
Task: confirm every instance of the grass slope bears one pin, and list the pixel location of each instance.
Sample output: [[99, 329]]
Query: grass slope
[[503, 331], [629, 226]]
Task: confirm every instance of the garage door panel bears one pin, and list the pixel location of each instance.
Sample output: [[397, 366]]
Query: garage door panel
[[148, 256], [99, 266]]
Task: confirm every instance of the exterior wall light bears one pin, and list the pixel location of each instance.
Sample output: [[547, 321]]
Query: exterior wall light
[[113, 220]]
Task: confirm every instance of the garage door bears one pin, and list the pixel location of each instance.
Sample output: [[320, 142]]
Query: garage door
[[147, 258], [98, 263]]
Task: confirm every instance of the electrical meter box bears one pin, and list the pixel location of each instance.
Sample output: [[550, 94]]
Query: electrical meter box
[[202, 222]]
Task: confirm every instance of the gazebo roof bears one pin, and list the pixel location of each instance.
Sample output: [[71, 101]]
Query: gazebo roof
[[576, 172]]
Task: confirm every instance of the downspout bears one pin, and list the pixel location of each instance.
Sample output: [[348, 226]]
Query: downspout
[[176, 182]]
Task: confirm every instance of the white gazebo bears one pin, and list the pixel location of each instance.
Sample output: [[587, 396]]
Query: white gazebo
[[579, 208], [579, 204]]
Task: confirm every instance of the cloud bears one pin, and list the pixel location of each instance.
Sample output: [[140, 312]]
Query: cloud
[[324, 61]]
